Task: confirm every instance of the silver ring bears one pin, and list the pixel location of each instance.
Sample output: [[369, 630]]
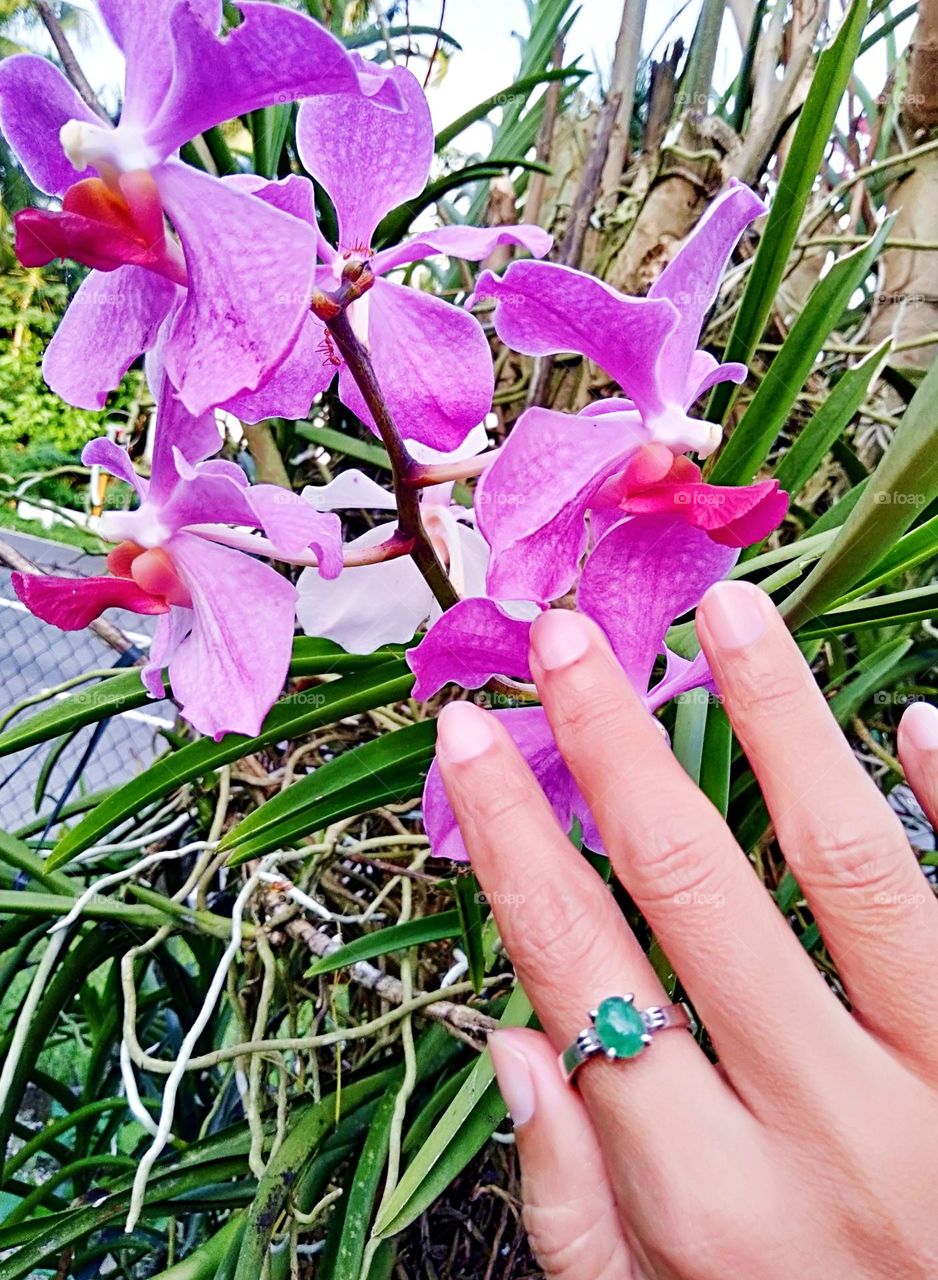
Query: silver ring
[[621, 1031]]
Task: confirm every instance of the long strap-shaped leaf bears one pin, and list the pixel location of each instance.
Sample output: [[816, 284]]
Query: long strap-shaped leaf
[[289, 718], [795, 185]]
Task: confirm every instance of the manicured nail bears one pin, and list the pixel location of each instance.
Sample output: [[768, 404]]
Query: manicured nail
[[919, 725], [736, 614], [463, 732], [514, 1078], [558, 639]]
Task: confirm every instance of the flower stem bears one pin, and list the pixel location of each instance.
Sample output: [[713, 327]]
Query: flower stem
[[403, 465]]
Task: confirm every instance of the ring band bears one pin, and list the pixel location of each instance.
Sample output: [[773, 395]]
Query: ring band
[[619, 1030]]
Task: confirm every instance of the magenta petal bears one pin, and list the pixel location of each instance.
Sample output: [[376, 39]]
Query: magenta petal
[[531, 503], [468, 645], [273, 55], [433, 364], [294, 527], [736, 516], [532, 735], [242, 311], [228, 672], [292, 194], [179, 434], [544, 308], [706, 373], [472, 243], [71, 603], [109, 322], [35, 101], [681, 675], [115, 460], [289, 391], [368, 157], [644, 573], [691, 280]]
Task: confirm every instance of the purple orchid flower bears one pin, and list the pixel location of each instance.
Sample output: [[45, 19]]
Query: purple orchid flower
[[387, 602], [233, 315], [226, 619], [555, 468], [431, 359], [644, 573]]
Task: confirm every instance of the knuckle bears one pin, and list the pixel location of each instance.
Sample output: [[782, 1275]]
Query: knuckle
[[562, 1235], [758, 689], [555, 932], [670, 861], [592, 714], [849, 854]]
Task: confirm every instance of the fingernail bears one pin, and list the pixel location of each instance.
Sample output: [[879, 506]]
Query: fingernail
[[463, 732], [736, 614], [919, 725], [514, 1078], [558, 639]]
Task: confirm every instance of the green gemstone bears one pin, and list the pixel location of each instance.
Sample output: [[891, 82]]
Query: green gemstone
[[619, 1026]]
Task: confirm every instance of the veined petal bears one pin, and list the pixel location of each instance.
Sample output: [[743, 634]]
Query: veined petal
[[531, 503], [179, 433], [691, 280], [289, 391], [230, 669], [641, 575], [472, 243], [294, 527], [369, 605], [273, 55], [532, 735], [171, 630], [705, 373], [369, 158], [544, 308], [109, 322], [71, 603], [242, 310], [36, 100], [680, 676], [432, 362], [349, 490], [468, 645]]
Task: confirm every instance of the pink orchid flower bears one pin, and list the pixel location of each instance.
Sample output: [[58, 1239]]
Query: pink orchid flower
[[431, 358], [232, 315], [226, 619], [554, 468], [645, 572]]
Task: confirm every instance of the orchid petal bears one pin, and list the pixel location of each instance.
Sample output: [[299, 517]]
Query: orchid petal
[[273, 55], [705, 373], [533, 737], [230, 669], [115, 460], [72, 603], [242, 312], [531, 503], [471, 243], [475, 443], [289, 391], [432, 362], [644, 573], [544, 308], [691, 280], [178, 434], [369, 605], [368, 158], [294, 528], [171, 630], [469, 644], [351, 489], [681, 675], [36, 100], [110, 320]]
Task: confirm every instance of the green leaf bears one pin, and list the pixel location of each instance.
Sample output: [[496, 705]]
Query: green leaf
[[396, 937], [916, 547], [904, 483], [517, 91], [342, 442], [796, 182], [391, 767], [468, 903], [269, 127], [468, 1123], [289, 718], [893, 610], [106, 698], [873, 671], [769, 409], [800, 462]]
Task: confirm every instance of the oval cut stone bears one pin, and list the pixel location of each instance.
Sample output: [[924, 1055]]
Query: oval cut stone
[[619, 1026]]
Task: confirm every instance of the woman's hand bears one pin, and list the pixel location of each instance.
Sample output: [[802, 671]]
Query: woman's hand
[[812, 1150]]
